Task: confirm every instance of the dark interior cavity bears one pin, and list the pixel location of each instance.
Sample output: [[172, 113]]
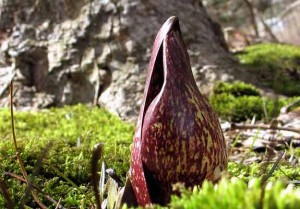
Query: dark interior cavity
[[157, 79], [159, 192]]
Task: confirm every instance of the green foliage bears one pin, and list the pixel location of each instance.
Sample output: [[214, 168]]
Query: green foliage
[[51, 138], [236, 89], [277, 66], [284, 172], [236, 194], [239, 101], [64, 139]]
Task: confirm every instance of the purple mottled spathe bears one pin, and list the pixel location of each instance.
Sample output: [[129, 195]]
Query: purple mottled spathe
[[178, 136]]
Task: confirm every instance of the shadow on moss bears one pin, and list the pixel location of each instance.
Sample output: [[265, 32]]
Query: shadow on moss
[[276, 66]]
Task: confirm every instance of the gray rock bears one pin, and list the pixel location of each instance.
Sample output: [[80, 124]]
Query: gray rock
[[68, 52]]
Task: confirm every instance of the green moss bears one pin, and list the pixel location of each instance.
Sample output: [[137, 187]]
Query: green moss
[[52, 138], [236, 89], [239, 101], [277, 66], [64, 139], [284, 172], [236, 194]]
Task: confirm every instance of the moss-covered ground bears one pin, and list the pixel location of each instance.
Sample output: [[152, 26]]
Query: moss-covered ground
[[63, 138]]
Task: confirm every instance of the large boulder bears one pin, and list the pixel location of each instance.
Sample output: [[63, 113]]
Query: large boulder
[[97, 51]]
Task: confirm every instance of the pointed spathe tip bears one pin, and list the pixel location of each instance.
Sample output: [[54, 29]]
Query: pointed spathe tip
[[171, 23]]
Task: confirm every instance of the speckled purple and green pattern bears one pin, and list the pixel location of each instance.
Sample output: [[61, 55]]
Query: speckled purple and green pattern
[[178, 136]]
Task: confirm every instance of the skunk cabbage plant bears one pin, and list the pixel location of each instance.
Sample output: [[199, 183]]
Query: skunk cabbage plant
[[178, 136]]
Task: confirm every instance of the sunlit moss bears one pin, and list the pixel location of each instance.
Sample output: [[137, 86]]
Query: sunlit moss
[[63, 138], [239, 101], [236, 193]]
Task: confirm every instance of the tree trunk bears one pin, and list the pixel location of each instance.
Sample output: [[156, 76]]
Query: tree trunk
[[252, 17]]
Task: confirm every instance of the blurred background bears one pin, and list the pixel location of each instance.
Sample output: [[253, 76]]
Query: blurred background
[[249, 21]]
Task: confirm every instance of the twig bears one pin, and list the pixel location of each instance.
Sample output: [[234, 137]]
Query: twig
[[17, 152], [287, 108], [58, 204], [265, 179], [236, 126], [21, 179], [294, 182], [6, 195]]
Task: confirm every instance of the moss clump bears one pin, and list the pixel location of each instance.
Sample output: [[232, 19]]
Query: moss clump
[[236, 194], [239, 101], [236, 89], [64, 139], [276, 66]]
